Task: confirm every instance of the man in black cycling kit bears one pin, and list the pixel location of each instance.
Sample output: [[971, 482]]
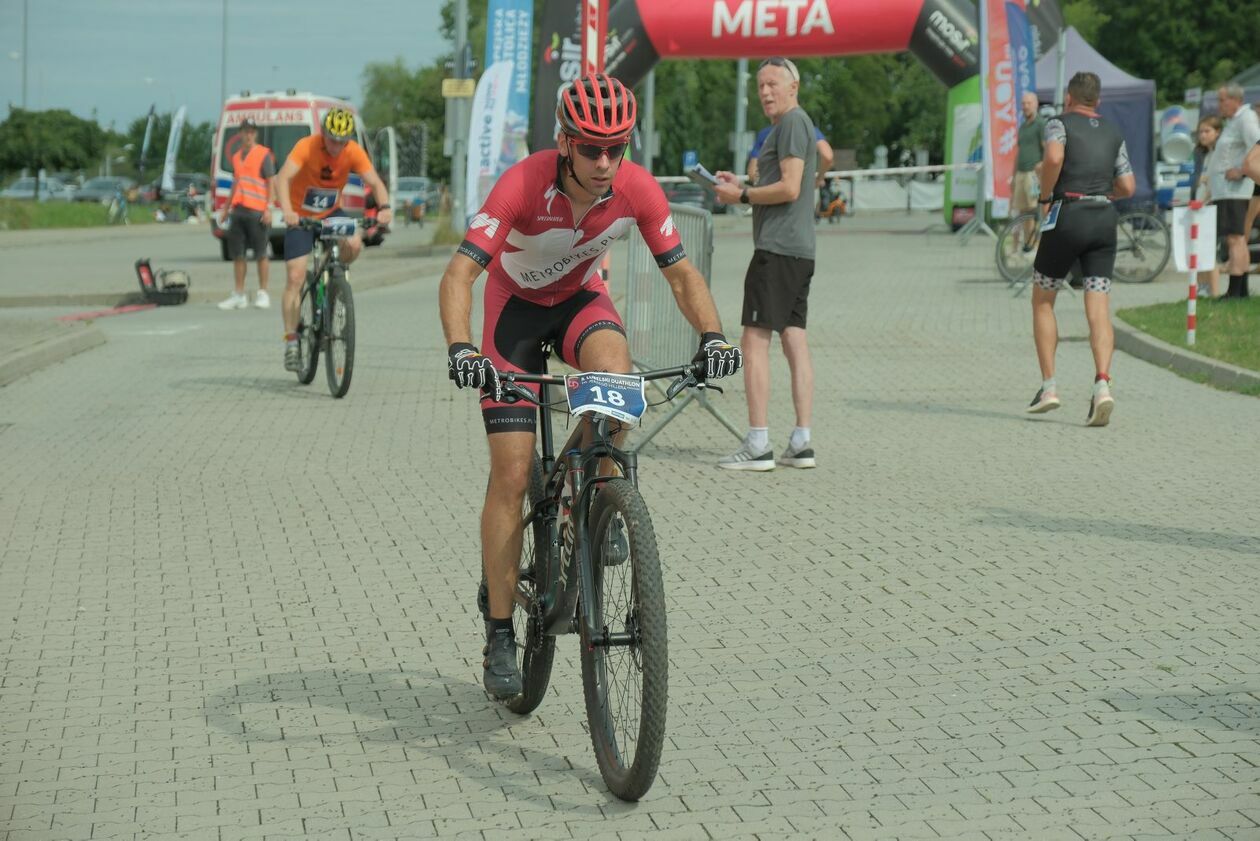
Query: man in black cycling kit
[[1086, 165], [541, 234]]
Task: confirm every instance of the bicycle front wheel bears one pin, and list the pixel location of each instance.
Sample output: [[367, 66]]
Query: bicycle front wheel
[[340, 332], [1017, 248], [626, 685], [308, 335], [1143, 245]]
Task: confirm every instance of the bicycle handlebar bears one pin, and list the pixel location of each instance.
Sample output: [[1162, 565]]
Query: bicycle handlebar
[[688, 377]]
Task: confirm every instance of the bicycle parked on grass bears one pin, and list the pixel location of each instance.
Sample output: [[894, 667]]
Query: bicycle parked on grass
[[1143, 246], [326, 308], [589, 565]]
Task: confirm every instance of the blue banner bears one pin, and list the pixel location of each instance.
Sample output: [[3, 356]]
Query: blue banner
[[1023, 51], [509, 30]]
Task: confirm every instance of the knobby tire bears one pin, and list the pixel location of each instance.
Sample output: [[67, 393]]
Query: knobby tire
[[339, 333], [626, 687], [308, 336], [535, 650]]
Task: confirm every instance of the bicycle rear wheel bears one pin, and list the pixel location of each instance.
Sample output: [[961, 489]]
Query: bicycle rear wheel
[[1017, 248], [626, 686], [1143, 245], [308, 334], [340, 332]]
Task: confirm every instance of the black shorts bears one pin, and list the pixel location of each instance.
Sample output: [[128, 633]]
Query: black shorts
[[514, 334], [1086, 231], [776, 291], [298, 242], [246, 229], [1231, 217]]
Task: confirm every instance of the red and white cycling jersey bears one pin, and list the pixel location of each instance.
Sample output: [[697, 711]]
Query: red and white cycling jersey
[[525, 233]]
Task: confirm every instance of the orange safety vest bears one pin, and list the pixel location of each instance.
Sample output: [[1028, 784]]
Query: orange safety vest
[[251, 187]]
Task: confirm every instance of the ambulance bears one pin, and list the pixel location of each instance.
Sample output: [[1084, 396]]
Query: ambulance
[[284, 118]]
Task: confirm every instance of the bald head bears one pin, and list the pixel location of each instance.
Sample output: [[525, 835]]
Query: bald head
[[1029, 103]]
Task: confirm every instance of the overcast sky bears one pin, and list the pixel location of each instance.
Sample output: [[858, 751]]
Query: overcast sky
[[117, 57]]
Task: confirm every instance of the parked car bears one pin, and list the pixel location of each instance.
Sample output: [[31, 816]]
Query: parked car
[[103, 188], [50, 189], [181, 180], [688, 193]]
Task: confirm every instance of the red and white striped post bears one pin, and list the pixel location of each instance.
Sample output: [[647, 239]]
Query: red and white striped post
[[1193, 263]]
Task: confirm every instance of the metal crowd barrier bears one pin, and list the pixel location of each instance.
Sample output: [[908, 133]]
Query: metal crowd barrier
[[659, 335]]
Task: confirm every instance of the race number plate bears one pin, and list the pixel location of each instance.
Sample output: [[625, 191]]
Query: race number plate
[[618, 396], [319, 199], [338, 226]]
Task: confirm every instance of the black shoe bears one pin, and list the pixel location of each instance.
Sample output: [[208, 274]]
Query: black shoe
[[502, 678], [483, 601], [616, 544]]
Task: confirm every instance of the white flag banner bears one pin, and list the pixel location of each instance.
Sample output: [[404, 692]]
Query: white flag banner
[[1204, 240], [485, 134], [172, 149]]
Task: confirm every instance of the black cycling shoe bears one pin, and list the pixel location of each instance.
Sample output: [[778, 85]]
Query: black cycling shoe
[[483, 601], [502, 678]]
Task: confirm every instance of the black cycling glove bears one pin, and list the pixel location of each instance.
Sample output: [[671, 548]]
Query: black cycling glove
[[467, 368], [720, 357]]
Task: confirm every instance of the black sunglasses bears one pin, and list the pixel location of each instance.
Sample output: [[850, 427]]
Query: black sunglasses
[[785, 63], [592, 151]]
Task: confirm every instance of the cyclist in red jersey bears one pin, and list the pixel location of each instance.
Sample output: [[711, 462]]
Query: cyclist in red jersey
[[541, 234]]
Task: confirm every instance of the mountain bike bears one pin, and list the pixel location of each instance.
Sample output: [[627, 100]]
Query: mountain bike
[[1143, 246], [589, 566], [326, 308], [1017, 247]]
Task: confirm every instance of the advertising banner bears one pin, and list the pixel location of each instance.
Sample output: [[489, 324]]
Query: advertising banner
[[485, 134], [560, 62], [1023, 52], [509, 30], [172, 149], [963, 145], [1000, 107]]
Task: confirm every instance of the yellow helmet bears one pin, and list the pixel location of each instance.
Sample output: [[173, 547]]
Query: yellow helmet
[[339, 124]]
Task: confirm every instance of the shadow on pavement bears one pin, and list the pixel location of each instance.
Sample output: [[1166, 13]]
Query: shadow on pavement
[[1122, 530], [447, 718], [1234, 709], [279, 385]]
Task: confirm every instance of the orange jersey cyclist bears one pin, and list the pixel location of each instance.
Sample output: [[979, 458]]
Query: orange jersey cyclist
[[309, 185], [540, 235]]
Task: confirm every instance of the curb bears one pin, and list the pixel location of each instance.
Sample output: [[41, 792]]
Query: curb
[[58, 344], [1150, 349]]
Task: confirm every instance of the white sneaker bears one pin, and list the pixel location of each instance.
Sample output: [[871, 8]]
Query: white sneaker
[[792, 457], [1100, 405], [262, 300], [745, 459], [235, 301]]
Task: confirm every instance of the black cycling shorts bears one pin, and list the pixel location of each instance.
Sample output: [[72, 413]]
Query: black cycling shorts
[[1086, 231], [298, 242], [1231, 217], [246, 229], [776, 291]]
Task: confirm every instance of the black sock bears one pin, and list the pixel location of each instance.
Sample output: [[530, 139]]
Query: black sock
[[495, 626], [1235, 286], [1242, 286]]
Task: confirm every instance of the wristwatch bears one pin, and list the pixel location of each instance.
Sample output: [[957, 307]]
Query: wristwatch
[[743, 197]]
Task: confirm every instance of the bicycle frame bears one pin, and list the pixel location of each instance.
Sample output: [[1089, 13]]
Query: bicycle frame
[[575, 470]]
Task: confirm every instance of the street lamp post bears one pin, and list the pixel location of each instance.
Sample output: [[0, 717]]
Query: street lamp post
[[25, 51], [223, 59]]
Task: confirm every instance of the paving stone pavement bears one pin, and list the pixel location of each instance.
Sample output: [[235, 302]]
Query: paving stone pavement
[[237, 609]]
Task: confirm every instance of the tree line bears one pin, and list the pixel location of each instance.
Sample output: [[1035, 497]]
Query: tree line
[[859, 102]]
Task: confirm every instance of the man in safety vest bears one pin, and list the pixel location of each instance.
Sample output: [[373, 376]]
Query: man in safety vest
[[253, 167]]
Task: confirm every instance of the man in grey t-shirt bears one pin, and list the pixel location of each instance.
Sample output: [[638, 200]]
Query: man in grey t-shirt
[[776, 286]]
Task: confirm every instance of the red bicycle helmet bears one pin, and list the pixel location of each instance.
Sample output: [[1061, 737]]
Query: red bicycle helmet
[[598, 109]]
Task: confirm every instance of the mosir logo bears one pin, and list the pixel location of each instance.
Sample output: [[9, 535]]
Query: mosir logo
[[770, 18], [958, 39], [481, 220]]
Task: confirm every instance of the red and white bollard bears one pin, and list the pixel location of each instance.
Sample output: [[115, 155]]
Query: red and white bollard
[[1193, 260]]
